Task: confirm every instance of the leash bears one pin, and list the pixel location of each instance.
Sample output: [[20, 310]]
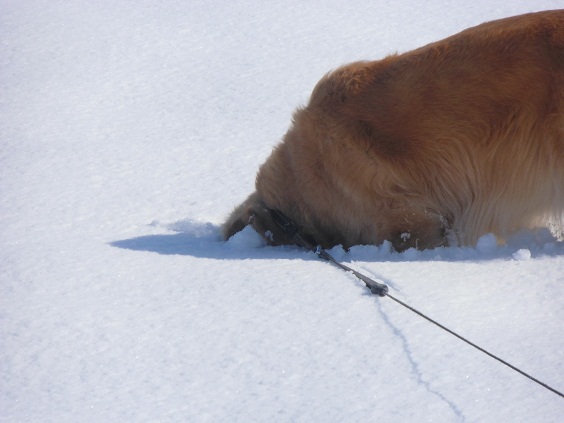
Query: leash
[[291, 229]]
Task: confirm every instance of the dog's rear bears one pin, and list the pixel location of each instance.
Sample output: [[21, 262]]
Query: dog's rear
[[436, 146]]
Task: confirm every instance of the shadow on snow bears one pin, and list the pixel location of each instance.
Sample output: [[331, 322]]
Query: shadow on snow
[[203, 240]]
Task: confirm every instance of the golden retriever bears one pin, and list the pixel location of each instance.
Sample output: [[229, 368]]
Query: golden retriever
[[434, 147]]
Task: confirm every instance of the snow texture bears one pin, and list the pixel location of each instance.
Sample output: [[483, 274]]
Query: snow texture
[[128, 132]]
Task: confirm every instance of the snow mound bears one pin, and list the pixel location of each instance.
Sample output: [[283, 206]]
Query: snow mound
[[522, 254], [487, 244], [248, 238]]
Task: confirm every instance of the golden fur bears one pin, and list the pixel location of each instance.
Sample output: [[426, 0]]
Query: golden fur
[[433, 147]]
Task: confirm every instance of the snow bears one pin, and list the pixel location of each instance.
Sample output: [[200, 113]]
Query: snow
[[522, 254], [129, 131]]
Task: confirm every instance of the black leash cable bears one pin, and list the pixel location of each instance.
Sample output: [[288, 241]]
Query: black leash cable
[[381, 289], [544, 385]]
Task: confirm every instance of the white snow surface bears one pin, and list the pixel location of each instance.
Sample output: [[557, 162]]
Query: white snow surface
[[130, 129]]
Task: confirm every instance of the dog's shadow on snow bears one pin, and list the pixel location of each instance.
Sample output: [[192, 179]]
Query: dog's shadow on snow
[[203, 240], [170, 244]]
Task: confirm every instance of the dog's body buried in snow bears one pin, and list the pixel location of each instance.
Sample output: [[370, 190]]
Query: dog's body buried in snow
[[433, 147]]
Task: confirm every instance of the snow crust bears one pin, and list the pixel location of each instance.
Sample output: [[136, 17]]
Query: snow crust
[[128, 132]]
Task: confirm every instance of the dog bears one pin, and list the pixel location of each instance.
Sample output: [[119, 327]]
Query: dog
[[434, 147]]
